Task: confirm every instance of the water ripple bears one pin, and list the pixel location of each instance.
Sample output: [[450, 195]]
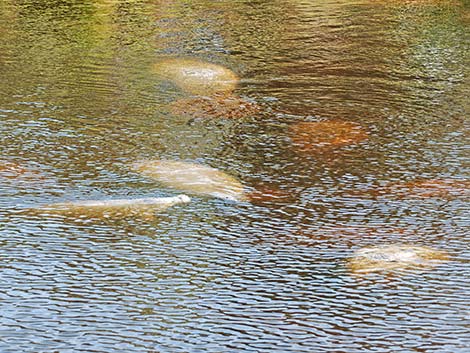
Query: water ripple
[[79, 104]]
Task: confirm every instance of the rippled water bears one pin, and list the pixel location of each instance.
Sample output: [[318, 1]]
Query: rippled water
[[79, 105]]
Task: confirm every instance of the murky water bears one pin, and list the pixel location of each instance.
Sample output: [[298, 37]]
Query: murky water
[[79, 105]]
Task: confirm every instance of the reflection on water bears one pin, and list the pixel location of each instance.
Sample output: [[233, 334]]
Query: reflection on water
[[79, 104]]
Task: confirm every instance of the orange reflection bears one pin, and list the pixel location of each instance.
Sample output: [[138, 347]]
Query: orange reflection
[[267, 194], [11, 169], [418, 2], [432, 188], [17, 171], [421, 188], [321, 135]]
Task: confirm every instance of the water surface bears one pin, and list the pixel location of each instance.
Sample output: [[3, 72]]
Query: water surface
[[79, 105]]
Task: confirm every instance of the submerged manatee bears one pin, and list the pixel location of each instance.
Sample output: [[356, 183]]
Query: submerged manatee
[[191, 177], [196, 76], [114, 208], [218, 106], [324, 135], [395, 257]]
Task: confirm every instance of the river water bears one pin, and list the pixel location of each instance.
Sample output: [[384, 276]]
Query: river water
[[79, 104]]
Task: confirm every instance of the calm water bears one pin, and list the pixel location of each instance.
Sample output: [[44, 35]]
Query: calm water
[[79, 104]]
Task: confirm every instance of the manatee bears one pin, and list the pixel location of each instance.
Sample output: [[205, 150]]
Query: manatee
[[218, 106], [196, 76], [194, 178], [395, 257], [321, 135], [114, 208]]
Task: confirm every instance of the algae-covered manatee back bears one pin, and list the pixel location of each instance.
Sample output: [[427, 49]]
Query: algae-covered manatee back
[[193, 178], [395, 257], [196, 76]]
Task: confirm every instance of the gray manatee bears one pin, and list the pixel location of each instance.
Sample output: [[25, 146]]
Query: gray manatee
[[193, 178], [395, 257], [118, 208], [195, 76]]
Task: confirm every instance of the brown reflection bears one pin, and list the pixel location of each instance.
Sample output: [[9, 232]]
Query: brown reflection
[[325, 135], [421, 188], [215, 106], [433, 188], [268, 194], [13, 170], [417, 2], [465, 16]]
